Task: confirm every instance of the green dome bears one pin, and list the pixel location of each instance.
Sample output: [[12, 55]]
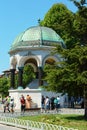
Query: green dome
[[37, 36]]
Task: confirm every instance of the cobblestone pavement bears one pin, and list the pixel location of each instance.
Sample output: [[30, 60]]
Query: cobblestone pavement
[[4, 127], [29, 113]]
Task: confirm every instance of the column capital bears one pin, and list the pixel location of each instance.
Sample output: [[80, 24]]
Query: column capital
[[20, 68], [12, 70]]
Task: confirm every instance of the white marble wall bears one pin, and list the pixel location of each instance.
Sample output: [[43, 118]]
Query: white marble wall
[[35, 96]]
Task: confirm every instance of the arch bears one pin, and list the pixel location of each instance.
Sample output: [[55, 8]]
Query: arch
[[50, 59], [33, 65], [24, 59]]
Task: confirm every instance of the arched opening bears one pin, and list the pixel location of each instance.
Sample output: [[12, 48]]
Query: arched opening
[[28, 74], [32, 62], [30, 71], [50, 61]]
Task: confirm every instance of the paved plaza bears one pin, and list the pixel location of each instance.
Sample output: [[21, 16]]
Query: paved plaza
[[4, 127], [32, 112]]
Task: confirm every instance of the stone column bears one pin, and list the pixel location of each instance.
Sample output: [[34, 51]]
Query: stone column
[[40, 74], [36, 74], [20, 76], [12, 83]]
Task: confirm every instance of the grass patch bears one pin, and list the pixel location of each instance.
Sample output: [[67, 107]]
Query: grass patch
[[71, 121]]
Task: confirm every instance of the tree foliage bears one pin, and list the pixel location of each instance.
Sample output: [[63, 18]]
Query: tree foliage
[[4, 86], [80, 23], [72, 27], [60, 18], [70, 74], [28, 74]]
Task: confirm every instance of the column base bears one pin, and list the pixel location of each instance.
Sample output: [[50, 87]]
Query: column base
[[20, 87]]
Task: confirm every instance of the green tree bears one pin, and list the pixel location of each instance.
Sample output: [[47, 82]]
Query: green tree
[[28, 74], [60, 19], [4, 86], [72, 27], [70, 75], [80, 21]]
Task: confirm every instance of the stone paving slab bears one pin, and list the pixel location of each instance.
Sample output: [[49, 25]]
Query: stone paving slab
[[5, 127], [71, 111], [30, 113]]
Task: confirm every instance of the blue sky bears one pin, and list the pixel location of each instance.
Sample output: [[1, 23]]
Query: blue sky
[[18, 15]]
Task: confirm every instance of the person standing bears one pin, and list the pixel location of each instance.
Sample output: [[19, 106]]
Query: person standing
[[28, 102], [58, 98], [42, 102], [52, 103], [6, 105], [22, 101], [12, 105], [47, 104], [56, 104]]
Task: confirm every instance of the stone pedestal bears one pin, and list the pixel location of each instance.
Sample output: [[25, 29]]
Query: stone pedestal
[[34, 93]]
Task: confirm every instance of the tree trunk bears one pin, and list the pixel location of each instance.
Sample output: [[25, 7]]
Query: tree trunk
[[85, 101]]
